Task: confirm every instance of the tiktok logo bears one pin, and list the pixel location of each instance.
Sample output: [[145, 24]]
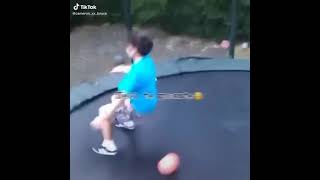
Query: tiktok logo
[[76, 7], [89, 7]]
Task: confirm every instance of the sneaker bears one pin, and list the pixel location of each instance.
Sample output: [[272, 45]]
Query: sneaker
[[126, 125], [103, 151]]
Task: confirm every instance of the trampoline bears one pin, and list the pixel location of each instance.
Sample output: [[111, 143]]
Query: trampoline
[[211, 136]]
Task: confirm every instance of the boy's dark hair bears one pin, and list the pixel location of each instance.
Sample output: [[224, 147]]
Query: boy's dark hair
[[142, 42]]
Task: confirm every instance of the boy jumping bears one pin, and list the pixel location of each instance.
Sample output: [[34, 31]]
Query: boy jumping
[[139, 84]]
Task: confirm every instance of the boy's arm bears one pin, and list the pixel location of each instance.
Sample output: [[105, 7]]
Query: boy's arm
[[117, 101], [124, 68]]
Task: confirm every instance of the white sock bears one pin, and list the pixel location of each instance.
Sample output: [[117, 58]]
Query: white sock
[[109, 144]]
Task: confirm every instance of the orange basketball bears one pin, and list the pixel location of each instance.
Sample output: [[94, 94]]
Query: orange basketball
[[169, 164]]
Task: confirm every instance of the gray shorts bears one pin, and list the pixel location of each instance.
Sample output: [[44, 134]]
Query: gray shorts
[[122, 114]]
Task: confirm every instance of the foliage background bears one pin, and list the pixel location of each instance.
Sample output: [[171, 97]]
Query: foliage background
[[202, 18]]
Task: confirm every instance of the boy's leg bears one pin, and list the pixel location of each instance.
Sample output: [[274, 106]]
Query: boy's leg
[[106, 113], [104, 122], [106, 127]]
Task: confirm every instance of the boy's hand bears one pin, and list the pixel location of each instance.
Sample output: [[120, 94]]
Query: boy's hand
[[117, 99], [121, 69]]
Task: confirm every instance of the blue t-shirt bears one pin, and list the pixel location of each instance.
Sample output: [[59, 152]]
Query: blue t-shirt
[[141, 82]]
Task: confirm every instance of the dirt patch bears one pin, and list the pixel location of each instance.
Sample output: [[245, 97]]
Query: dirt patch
[[95, 49]]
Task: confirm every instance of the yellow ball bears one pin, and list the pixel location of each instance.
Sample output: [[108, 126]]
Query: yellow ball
[[198, 96]]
